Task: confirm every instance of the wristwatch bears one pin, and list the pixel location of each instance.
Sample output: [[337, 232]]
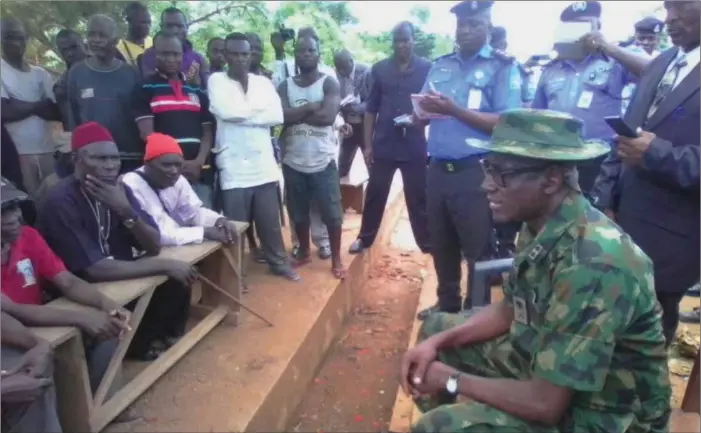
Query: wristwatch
[[130, 222], [452, 384]]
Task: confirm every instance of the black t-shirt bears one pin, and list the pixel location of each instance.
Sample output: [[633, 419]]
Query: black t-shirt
[[105, 97]]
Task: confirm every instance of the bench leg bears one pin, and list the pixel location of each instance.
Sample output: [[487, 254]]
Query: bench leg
[[223, 268], [73, 392], [116, 362]]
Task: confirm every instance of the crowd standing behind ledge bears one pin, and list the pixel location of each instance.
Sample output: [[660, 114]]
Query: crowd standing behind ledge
[[164, 146]]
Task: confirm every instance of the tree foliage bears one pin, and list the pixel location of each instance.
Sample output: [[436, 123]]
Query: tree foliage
[[333, 21]]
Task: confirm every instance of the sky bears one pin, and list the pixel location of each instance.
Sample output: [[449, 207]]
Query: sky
[[529, 24]]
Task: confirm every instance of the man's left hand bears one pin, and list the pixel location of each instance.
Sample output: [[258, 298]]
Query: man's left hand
[[228, 228], [437, 103], [632, 150], [435, 379], [113, 196], [192, 170]]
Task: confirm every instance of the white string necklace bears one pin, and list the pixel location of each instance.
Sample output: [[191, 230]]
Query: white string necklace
[[103, 233]]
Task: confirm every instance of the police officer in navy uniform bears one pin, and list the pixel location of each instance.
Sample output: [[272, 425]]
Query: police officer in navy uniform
[[467, 89], [647, 35], [499, 42], [589, 84]]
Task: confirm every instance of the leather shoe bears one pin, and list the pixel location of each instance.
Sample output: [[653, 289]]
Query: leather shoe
[[357, 247]]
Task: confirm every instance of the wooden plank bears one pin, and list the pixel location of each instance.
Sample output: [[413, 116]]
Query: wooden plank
[[55, 335], [102, 416], [73, 393]]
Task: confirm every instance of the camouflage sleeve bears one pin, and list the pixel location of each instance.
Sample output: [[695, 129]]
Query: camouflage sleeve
[[591, 305]]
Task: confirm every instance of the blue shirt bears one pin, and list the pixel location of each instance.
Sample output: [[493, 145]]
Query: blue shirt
[[390, 96], [590, 90], [68, 224], [488, 82]]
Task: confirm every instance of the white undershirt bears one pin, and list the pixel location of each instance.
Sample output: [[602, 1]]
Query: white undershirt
[[692, 59]]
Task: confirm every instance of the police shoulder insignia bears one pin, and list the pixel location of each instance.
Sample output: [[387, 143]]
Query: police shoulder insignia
[[503, 56]]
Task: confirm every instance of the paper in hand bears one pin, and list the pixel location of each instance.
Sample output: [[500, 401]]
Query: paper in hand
[[420, 112]]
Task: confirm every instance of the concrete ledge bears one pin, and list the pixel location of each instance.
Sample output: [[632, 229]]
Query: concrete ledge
[[252, 378]]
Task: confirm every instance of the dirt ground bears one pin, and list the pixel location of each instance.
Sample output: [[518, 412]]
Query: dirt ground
[[355, 387], [679, 365]]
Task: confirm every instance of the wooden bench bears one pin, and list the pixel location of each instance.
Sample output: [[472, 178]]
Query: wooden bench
[[353, 186], [79, 409]]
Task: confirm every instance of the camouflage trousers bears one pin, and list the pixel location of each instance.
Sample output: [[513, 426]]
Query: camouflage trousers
[[495, 359], [499, 360]]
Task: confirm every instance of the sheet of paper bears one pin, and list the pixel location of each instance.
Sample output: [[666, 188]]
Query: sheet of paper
[[415, 102], [571, 32]]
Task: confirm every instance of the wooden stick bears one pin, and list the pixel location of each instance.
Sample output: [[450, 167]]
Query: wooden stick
[[234, 298]]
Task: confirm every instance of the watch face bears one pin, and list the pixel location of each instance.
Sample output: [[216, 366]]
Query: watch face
[[452, 385]]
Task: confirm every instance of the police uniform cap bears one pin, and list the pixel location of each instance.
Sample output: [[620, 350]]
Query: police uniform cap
[[582, 9], [498, 33], [471, 8], [649, 25]]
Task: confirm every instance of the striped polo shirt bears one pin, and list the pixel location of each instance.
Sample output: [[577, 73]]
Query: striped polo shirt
[[178, 109]]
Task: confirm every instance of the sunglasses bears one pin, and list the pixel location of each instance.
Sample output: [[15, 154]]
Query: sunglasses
[[499, 174]]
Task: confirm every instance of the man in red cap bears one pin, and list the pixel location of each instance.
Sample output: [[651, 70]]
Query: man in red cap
[[94, 223], [165, 194]]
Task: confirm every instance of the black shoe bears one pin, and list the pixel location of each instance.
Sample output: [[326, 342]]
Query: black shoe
[[693, 316], [693, 291], [325, 252], [424, 314], [356, 247], [286, 272]]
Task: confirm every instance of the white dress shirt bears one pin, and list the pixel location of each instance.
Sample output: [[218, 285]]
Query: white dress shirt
[[177, 211], [244, 150], [692, 59]]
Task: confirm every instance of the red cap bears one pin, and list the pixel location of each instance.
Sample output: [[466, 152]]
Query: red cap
[[89, 133], [160, 144]]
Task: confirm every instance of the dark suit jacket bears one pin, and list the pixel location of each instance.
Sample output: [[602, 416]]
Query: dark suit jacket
[[658, 203]]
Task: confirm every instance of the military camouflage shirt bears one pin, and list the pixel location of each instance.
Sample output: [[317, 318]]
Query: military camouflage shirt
[[586, 318]]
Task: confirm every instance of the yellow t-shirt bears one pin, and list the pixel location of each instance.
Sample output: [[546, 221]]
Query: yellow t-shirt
[[130, 51]]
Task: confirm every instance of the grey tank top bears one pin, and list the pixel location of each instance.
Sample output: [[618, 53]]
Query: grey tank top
[[308, 148]]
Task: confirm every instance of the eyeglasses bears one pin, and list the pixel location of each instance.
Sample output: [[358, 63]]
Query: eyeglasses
[[499, 174]]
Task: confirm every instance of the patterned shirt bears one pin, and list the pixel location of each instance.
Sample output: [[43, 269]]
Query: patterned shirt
[[586, 318]]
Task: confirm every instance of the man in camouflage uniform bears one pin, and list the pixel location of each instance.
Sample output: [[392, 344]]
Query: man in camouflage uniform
[[577, 343]]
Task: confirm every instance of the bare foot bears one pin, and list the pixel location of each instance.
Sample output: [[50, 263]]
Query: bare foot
[[339, 272]]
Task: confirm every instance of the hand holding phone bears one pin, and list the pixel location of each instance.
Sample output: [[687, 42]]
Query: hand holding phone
[[620, 127]]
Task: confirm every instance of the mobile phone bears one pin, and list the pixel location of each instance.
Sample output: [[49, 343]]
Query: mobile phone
[[620, 127]]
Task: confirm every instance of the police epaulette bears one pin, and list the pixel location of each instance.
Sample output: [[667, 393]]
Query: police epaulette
[[503, 56]]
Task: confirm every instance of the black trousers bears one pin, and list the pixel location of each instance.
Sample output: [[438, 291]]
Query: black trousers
[[349, 147], [165, 317], [414, 178], [670, 314], [459, 220]]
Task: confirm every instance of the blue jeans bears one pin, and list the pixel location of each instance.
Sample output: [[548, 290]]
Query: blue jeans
[[204, 192]]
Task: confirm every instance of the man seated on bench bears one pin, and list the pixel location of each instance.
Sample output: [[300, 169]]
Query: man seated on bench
[[28, 263], [94, 223], [26, 385], [165, 194], [577, 344]]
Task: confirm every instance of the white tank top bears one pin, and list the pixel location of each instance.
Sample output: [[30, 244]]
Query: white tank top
[[308, 148]]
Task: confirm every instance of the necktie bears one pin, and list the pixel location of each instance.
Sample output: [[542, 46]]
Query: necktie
[[666, 85]]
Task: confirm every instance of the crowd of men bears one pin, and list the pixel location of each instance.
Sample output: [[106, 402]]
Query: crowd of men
[[163, 146]]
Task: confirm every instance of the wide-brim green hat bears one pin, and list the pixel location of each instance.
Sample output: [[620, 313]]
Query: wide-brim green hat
[[541, 134]]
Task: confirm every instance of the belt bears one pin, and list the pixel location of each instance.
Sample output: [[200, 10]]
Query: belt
[[457, 165]]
